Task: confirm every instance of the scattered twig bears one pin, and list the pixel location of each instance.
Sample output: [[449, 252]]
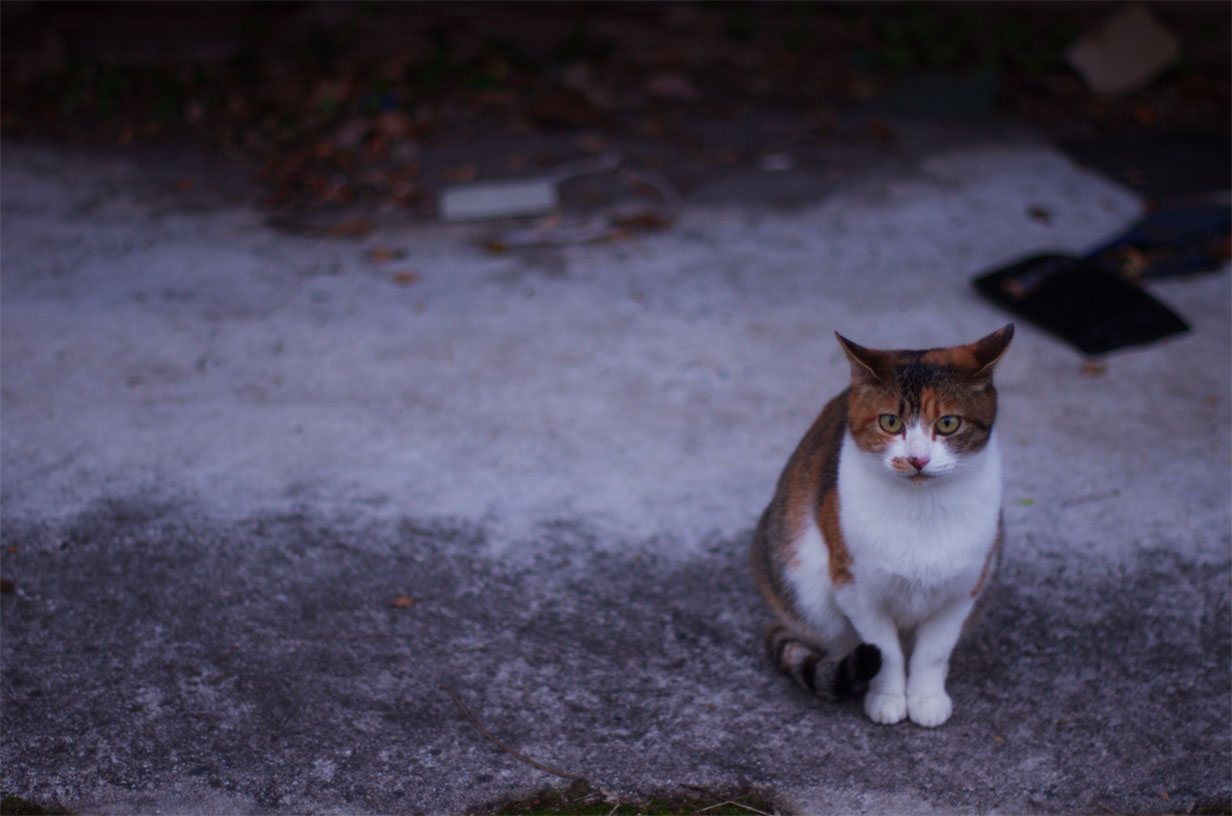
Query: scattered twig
[[458, 702], [1091, 497], [734, 803]]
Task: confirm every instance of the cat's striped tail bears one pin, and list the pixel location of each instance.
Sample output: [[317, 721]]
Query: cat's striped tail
[[815, 672]]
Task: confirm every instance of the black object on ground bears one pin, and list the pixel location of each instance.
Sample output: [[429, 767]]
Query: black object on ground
[[1091, 307]]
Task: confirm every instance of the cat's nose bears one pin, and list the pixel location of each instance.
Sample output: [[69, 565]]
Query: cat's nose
[[918, 462]]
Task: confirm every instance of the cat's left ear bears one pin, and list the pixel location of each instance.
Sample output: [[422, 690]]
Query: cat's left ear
[[987, 351], [865, 362]]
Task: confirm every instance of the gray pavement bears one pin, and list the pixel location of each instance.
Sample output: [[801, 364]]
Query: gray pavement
[[228, 450]]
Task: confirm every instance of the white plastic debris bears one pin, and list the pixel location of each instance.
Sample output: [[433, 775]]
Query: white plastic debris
[[1124, 52], [482, 200], [497, 199]]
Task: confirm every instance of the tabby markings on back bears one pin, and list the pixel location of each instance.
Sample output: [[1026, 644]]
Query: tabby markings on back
[[884, 528]]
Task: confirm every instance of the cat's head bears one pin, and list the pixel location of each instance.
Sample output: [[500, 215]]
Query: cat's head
[[923, 412]]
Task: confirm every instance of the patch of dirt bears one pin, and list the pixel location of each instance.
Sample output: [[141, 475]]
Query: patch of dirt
[[380, 105]]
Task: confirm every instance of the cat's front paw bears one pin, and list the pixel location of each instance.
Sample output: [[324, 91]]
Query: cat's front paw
[[929, 710], [883, 708]]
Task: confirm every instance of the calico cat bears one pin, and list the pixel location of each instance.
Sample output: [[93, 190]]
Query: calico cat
[[884, 528]]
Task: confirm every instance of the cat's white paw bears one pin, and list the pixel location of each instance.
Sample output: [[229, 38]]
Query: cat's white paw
[[930, 710], [886, 709]]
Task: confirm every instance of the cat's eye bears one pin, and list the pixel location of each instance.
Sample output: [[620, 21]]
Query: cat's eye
[[890, 423], [947, 425]]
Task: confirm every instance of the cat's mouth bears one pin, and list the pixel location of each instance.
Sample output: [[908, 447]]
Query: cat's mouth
[[920, 477]]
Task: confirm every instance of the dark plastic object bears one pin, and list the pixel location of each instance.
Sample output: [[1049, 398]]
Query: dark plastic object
[[1091, 307]]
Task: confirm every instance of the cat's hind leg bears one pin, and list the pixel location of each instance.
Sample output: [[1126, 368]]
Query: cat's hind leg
[[815, 669]]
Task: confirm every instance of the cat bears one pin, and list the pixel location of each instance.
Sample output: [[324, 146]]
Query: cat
[[884, 529]]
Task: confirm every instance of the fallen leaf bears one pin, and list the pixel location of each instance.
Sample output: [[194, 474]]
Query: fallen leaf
[[386, 254], [194, 112], [1040, 214], [879, 131], [1093, 368], [776, 162], [672, 86], [999, 738], [406, 278], [1146, 115], [402, 602], [351, 228], [394, 125], [564, 108], [592, 143], [653, 128], [643, 220], [462, 173], [352, 134]]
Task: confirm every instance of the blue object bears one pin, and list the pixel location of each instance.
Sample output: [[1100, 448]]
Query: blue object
[[1174, 241]]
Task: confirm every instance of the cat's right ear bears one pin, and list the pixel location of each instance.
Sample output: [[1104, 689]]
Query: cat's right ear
[[865, 362], [989, 350]]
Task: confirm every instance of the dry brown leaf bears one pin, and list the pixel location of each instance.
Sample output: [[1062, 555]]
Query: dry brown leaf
[[1038, 213], [1093, 368], [402, 602], [878, 130], [351, 228], [643, 220], [406, 278], [462, 173], [394, 125], [591, 142], [386, 254], [672, 86]]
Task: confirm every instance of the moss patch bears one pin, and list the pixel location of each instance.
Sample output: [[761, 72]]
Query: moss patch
[[580, 799], [16, 806]]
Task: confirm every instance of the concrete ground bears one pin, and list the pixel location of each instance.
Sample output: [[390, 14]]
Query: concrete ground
[[229, 451]]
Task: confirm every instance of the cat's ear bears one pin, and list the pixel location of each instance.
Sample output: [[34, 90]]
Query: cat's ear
[[865, 362], [988, 350]]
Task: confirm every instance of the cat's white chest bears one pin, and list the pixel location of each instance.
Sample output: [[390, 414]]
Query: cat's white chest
[[904, 534]]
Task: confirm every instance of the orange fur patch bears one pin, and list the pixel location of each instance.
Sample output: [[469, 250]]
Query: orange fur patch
[[929, 403], [961, 357], [840, 559], [987, 570]]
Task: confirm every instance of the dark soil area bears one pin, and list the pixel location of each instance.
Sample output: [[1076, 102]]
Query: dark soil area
[[380, 105]]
